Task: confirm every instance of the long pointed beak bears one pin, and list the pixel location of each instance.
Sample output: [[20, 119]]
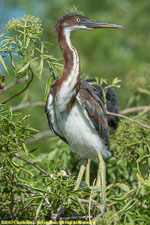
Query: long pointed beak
[[89, 23]]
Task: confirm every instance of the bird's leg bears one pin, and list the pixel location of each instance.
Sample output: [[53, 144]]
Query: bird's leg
[[98, 180], [87, 173], [81, 172], [102, 179]]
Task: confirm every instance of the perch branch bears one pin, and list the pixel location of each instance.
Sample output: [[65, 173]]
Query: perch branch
[[127, 118], [135, 109]]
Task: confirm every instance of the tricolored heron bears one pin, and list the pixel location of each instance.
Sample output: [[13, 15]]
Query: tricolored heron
[[75, 109]]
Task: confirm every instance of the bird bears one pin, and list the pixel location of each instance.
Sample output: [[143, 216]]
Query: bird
[[75, 109]]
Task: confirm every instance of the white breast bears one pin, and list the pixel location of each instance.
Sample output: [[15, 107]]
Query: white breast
[[78, 130]]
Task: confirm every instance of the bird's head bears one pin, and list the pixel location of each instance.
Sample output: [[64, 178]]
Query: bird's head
[[75, 21]]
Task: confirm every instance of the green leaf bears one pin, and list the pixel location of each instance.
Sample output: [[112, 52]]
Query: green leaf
[[13, 164], [1, 35], [24, 180], [47, 89], [52, 154], [38, 210], [42, 60], [28, 203], [118, 199], [27, 42], [3, 64], [24, 68], [38, 190], [35, 196], [26, 170], [124, 187], [22, 198], [25, 147], [10, 112], [11, 152], [77, 202], [127, 206], [12, 62]]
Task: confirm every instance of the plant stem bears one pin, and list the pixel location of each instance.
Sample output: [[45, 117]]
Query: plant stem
[[1, 87], [127, 118], [33, 164], [24, 89]]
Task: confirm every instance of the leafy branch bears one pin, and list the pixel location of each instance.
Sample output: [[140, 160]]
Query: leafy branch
[[24, 54]]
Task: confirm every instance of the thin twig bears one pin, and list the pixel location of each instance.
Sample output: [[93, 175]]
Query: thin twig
[[111, 204], [127, 118], [56, 217], [93, 202], [46, 133], [27, 207], [15, 184], [135, 109], [90, 200], [75, 217], [11, 206], [27, 104], [2, 79], [33, 164], [17, 81], [49, 204], [20, 92]]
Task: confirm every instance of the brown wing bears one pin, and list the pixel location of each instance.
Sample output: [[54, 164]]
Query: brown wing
[[89, 98]]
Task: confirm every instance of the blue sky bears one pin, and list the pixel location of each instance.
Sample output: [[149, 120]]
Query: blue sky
[[7, 13]]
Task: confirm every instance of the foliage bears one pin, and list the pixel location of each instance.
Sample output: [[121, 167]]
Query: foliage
[[107, 83], [22, 49], [130, 145], [29, 192], [33, 184], [129, 177], [21, 177]]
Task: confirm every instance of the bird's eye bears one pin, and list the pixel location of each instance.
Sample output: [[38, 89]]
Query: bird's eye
[[78, 20]]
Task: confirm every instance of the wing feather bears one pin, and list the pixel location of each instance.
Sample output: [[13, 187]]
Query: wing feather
[[89, 98]]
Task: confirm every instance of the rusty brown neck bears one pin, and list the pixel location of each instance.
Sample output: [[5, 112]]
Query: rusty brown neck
[[70, 54], [66, 87]]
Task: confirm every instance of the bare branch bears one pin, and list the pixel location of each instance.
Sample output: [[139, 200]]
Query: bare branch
[[127, 118], [17, 81], [90, 199], [11, 205], [27, 104], [33, 164], [135, 109], [56, 217], [96, 204], [40, 135]]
